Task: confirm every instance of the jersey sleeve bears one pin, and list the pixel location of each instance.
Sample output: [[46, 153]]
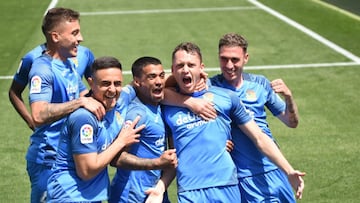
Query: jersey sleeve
[[83, 129], [40, 82], [22, 74], [274, 102], [127, 94], [133, 112], [239, 115]]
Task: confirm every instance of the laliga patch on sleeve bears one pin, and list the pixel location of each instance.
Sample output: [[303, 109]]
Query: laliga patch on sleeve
[[35, 84], [86, 134]]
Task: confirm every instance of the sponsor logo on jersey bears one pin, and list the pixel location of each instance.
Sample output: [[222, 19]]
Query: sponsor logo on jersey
[[191, 120], [35, 84], [86, 134]]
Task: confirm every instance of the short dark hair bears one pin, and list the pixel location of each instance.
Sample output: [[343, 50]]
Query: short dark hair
[[105, 62], [233, 39], [141, 62], [189, 47], [55, 16]]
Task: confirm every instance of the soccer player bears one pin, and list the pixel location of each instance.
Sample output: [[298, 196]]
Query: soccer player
[[135, 174], [82, 62], [55, 90], [87, 145], [256, 92], [200, 144]]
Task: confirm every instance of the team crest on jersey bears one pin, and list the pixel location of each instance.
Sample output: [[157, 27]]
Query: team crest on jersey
[[75, 61], [35, 84], [250, 95], [86, 134], [118, 117], [209, 97]]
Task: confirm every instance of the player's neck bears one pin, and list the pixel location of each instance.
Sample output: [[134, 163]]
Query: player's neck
[[236, 82]]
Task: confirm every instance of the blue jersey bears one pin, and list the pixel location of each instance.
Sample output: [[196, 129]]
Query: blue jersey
[[82, 62], [130, 185], [201, 145], [83, 133], [255, 93], [52, 81], [127, 95]]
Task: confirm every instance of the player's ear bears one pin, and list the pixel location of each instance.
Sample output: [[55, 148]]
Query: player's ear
[[54, 36], [246, 58], [136, 81], [90, 81], [202, 67]]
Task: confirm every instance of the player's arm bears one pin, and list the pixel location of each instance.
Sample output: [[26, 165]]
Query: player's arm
[[200, 107], [267, 146], [15, 96], [129, 161], [156, 194], [291, 115], [44, 112], [88, 165]]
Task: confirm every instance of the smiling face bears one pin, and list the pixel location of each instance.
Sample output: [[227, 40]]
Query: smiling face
[[67, 37], [150, 84], [186, 69], [61, 27], [232, 61], [106, 86]]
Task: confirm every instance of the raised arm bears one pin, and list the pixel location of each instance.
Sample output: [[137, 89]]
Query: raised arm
[[290, 117]]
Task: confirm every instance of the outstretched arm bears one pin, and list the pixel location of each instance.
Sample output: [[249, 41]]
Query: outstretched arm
[[269, 148], [290, 117]]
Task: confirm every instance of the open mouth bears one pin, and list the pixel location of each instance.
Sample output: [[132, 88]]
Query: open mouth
[[187, 80], [157, 91]]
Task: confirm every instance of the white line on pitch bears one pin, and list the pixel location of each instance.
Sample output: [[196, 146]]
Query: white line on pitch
[[308, 32], [286, 66], [51, 5], [289, 66], [184, 10]]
